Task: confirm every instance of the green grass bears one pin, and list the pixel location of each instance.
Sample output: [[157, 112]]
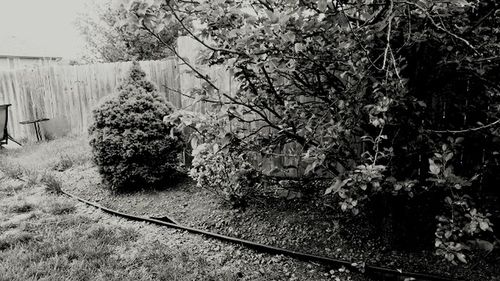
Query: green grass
[[60, 154], [44, 236], [75, 248]]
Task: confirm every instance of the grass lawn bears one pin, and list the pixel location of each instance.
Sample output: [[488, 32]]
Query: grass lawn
[[44, 236]]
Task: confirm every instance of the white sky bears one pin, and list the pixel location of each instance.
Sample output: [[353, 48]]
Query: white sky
[[42, 26]]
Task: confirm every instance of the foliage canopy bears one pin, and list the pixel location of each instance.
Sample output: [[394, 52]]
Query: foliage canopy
[[378, 96]]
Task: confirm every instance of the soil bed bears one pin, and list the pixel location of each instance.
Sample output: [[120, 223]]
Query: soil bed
[[303, 224]]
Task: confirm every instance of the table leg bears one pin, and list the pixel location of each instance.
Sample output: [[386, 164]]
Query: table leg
[[37, 132]]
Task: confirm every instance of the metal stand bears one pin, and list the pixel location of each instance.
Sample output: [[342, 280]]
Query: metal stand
[[12, 139], [36, 125], [5, 137]]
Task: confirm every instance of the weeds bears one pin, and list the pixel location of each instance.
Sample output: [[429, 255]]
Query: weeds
[[52, 184], [14, 237], [32, 177], [60, 207], [65, 162], [21, 207], [12, 186], [10, 170]]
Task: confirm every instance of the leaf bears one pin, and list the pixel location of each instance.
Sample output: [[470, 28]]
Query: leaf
[[484, 245], [336, 186], [461, 257], [448, 200], [298, 47], [317, 161], [343, 206], [322, 5], [484, 225], [475, 177], [194, 142], [448, 172], [422, 104], [310, 167], [434, 169], [449, 156], [462, 3], [290, 36], [340, 169]]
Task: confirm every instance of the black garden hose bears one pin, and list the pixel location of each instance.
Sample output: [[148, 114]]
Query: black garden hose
[[382, 272]]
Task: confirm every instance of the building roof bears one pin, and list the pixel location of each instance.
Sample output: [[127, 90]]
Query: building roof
[[30, 57], [14, 47]]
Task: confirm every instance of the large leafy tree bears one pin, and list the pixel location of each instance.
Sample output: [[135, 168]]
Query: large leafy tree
[[377, 96]]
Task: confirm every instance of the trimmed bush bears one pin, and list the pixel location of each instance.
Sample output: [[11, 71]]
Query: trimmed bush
[[131, 145]]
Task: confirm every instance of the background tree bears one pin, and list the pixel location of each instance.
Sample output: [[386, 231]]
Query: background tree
[[109, 41]]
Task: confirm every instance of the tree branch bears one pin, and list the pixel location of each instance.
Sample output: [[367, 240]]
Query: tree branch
[[436, 25], [196, 37], [481, 20], [168, 46], [465, 130]]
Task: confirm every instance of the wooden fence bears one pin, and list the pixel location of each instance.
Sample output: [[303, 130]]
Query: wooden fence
[[68, 93]]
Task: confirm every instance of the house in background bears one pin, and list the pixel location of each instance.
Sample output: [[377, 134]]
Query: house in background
[[11, 62], [16, 53]]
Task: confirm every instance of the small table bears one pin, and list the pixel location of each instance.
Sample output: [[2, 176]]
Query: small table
[[36, 125]]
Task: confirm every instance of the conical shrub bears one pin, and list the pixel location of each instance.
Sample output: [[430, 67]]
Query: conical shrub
[[131, 145]]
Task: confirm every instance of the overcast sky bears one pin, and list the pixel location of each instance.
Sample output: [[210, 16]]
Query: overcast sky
[[45, 26]]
